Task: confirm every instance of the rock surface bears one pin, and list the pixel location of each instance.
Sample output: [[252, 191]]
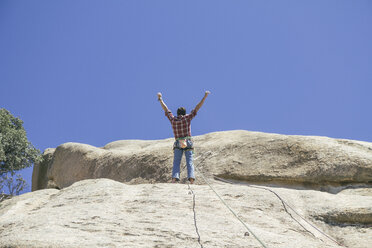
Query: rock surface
[[319, 162], [106, 213], [291, 191]]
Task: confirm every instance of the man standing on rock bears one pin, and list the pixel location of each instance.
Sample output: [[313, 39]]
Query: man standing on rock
[[182, 133]]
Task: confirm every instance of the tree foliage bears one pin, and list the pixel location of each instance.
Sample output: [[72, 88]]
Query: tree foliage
[[16, 152]]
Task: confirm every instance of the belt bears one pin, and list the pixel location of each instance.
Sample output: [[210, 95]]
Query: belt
[[183, 138]]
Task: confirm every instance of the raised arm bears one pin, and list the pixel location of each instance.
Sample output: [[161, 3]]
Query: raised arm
[[200, 104], [160, 99]]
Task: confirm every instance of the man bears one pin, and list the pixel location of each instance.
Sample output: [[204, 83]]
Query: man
[[182, 133]]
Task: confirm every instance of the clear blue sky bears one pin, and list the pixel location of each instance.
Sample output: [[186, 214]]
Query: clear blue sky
[[88, 71]]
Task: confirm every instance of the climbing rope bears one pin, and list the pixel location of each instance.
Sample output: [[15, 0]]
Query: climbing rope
[[232, 211], [285, 205], [193, 209]]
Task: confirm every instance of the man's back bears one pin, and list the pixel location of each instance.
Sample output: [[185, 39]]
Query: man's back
[[181, 124]]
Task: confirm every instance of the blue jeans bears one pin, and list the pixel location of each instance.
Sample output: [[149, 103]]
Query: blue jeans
[[177, 161]]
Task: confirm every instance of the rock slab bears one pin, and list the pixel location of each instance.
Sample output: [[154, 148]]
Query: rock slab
[[242, 155], [107, 213]]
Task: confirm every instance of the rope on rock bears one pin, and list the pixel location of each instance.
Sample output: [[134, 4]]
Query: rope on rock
[[285, 204], [232, 211]]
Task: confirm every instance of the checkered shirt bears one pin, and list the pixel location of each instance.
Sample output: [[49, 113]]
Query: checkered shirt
[[181, 125]]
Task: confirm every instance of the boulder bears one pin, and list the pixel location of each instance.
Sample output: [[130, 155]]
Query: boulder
[[309, 161], [39, 175]]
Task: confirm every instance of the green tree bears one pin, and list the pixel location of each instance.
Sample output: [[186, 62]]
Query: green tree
[[16, 153]]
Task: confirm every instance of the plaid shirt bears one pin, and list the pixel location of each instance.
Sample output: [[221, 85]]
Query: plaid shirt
[[181, 124]]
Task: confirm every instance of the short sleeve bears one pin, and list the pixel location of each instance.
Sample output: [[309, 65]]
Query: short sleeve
[[192, 114], [169, 115]]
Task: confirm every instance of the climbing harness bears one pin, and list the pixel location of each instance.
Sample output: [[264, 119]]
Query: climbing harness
[[184, 143]]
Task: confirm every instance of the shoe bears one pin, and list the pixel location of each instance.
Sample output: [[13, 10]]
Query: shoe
[[175, 180], [191, 180]]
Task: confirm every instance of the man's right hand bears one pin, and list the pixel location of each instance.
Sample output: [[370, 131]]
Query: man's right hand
[[207, 93], [159, 95]]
